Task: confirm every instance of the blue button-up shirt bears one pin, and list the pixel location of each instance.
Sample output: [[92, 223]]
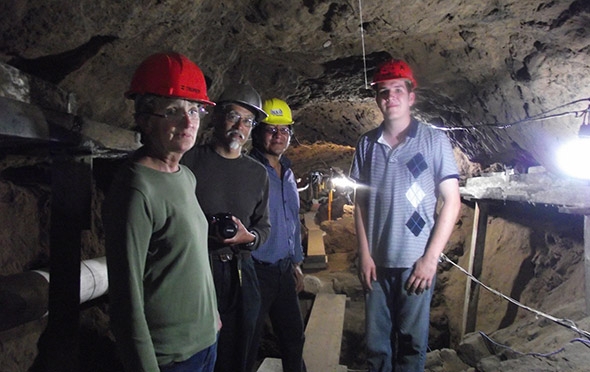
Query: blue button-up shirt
[[284, 240]]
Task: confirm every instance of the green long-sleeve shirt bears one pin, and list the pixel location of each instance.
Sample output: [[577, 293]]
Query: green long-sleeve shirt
[[162, 298]]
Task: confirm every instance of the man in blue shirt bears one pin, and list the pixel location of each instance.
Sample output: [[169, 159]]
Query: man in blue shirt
[[277, 261]]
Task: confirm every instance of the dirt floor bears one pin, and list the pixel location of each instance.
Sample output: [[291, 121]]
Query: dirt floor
[[533, 256]]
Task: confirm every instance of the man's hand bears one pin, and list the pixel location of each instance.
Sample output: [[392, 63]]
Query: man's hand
[[367, 271], [243, 236], [219, 323], [299, 286], [422, 275]]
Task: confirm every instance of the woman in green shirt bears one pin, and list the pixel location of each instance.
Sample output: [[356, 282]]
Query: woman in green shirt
[[162, 298]]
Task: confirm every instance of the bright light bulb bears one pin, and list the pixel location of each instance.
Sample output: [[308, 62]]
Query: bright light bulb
[[574, 158], [344, 182]]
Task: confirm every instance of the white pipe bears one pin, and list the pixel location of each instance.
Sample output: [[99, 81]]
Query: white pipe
[[24, 296], [94, 281]]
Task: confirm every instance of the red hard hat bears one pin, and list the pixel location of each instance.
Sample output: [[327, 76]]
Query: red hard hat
[[169, 75], [393, 69]]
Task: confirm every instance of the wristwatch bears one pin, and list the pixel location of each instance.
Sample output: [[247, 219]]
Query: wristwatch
[[251, 244]]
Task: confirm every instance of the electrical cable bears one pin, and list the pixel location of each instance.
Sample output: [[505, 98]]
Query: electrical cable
[[363, 42], [542, 355], [540, 117], [564, 322]]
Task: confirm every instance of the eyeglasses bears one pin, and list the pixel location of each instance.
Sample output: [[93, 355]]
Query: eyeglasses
[[234, 118], [175, 114], [284, 130]]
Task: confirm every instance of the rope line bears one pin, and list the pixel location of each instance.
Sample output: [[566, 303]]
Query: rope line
[[561, 321]]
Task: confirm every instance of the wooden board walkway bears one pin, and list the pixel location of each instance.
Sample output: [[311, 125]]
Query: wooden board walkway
[[316, 252], [323, 337], [323, 333]]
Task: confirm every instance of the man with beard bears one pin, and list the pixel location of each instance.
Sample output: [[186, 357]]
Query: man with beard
[[232, 189]]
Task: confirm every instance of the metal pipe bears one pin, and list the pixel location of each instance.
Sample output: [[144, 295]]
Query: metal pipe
[[24, 296]]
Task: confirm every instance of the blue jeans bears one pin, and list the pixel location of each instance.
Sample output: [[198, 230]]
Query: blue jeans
[[203, 361], [397, 324]]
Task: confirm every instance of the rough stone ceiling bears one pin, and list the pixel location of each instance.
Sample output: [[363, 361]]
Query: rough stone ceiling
[[479, 64]]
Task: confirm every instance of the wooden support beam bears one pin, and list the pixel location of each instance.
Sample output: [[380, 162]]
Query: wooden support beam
[[23, 87], [587, 261], [21, 122], [569, 195], [70, 214], [476, 254], [534, 188]]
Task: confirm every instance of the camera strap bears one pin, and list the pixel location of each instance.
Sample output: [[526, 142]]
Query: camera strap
[[227, 254], [239, 265]]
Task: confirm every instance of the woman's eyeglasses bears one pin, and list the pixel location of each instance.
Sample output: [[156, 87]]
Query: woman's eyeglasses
[[175, 114]]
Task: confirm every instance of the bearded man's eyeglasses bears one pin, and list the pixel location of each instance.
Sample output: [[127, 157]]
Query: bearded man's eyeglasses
[[234, 118]]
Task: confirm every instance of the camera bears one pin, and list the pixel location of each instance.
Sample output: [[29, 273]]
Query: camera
[[222, 225]]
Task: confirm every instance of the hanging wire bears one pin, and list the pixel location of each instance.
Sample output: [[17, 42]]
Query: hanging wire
[[564, 322], [363, 42], [540, 117], [586, 116]]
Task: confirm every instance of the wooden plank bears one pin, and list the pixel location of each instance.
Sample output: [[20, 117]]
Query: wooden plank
[[316, 251], [309, 219], [103, 137], [315, 243], [575, 210], [23, 121], [275, 365], [539, 187], [271, 365], [27, 88], [315, 263], [33, 110], [323, 333], [476, 253]]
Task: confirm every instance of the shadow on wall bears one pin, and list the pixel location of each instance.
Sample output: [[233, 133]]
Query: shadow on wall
[[525, 274], [97, 351]]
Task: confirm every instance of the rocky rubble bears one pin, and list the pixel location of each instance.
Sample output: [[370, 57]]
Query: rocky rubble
[[532, 342]]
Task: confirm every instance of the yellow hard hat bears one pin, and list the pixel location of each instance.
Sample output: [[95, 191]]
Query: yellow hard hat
[[278, 112]]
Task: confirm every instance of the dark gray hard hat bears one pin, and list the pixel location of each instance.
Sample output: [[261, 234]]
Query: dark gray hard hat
[[245, 95]]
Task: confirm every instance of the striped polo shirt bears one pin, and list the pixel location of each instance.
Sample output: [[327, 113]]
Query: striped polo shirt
[[399, 187]]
